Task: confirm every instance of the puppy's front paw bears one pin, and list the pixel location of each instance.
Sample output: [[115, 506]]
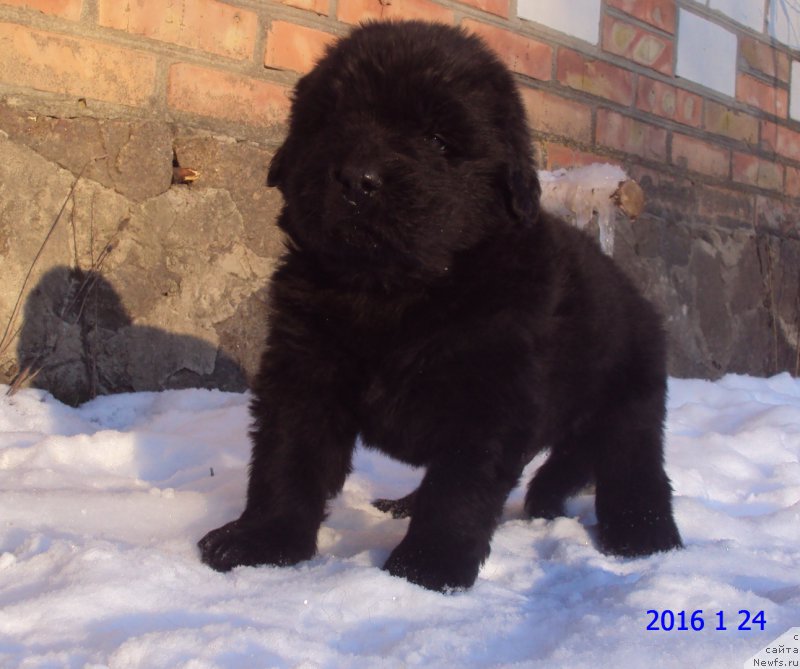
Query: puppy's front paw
[[635, 536], [239, 544], [432, 567]]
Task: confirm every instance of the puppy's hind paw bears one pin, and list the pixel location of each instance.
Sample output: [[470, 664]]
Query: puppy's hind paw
[[398, 508]]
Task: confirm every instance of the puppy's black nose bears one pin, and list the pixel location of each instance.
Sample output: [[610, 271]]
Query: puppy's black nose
[[359, 183]]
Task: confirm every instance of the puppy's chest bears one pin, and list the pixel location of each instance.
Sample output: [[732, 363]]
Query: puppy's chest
[[398, 402], [397, 351], [369, 330]]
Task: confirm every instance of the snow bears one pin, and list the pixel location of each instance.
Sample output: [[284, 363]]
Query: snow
[[101, 506], [581, 192]]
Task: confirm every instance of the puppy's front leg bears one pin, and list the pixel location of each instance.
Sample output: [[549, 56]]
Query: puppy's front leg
[[303, 437]]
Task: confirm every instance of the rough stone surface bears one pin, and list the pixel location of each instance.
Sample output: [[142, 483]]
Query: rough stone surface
[[142, 284], [139, 284], [132, 157], [726, 283]]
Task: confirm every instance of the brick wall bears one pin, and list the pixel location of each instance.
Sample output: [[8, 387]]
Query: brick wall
[[231, 64], [698, 100]]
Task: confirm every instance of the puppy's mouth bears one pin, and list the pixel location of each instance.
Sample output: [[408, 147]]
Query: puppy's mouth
[[359, 230], [348, 210], [374, 231], [367, 217], [360, 227]]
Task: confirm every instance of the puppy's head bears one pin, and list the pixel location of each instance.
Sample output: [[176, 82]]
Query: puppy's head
[[407, 145]]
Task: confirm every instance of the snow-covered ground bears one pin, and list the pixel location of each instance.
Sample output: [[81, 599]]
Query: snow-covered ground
[[101, 506]]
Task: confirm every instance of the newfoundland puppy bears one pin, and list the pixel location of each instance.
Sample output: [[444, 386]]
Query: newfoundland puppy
[[426, 303]]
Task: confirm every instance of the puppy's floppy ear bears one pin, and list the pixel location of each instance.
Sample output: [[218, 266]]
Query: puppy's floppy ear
[[522, 189], [277, 167], [305, 114]]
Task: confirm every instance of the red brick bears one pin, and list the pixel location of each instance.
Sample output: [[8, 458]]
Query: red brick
[[658, 13], [294, 47], [320, 7], [669, 102], [753, 170], [556, 115], [767, 98], [560, 156], [764, 58], [520, 53], [206, 25], [780, 139], [595, 77], [689, 108], [199, 90], [699, 156], [722, 120], [631, 136], [636, 44], [499, 7], [769, 136], [787, 142], [64, 9], [74, 66], [356, 11], [792, 188]]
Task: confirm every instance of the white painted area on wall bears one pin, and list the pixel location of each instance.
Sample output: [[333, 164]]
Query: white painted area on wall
[[578, 18], [794, 92], [706, 53], [784, 21], [749, 13]]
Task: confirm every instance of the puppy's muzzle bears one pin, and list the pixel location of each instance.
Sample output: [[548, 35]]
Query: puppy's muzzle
[[359, 183]]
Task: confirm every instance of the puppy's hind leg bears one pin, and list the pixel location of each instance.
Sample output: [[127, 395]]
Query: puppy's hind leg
[[564, 473], [398, 508]]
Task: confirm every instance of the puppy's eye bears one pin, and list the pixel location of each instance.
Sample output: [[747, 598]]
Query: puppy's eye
[[437, 142]]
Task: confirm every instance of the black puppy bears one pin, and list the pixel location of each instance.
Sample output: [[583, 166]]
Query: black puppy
[[426, 303]]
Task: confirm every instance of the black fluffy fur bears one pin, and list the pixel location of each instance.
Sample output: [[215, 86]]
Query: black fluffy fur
[[426, 303]]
